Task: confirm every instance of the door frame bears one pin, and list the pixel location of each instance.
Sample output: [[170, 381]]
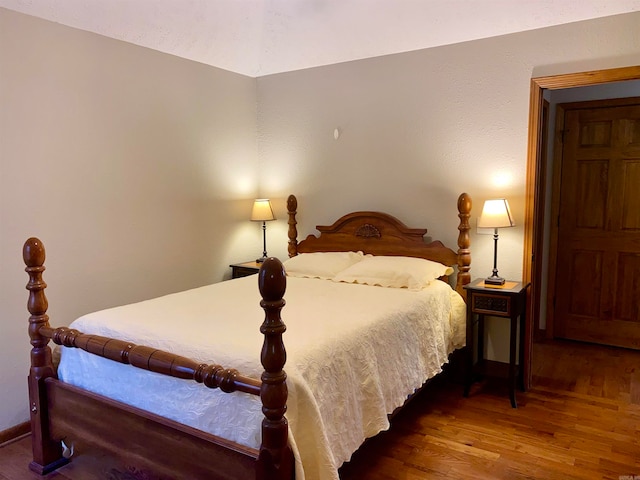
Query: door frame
[[535, 185]]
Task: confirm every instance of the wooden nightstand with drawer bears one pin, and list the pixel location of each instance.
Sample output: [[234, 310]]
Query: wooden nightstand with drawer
[[244, 269], [506, 301]]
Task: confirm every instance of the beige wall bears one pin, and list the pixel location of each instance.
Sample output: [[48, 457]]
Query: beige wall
[[421, 127], [153, 158], [136, 169]]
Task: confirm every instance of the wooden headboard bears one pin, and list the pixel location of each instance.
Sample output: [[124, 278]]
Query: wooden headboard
[[382, 234]]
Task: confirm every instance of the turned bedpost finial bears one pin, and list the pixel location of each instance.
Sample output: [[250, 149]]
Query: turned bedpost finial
[[33, 254], [47, 453], [292, 207], [276, 459], [464, 242]]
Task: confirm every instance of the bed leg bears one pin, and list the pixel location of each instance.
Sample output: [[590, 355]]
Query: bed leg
[[276, 458], [47, 453]]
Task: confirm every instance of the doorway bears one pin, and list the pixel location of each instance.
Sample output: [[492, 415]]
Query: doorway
[[534, 230]]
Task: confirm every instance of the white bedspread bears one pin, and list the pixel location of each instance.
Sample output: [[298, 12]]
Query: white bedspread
[[354, 353]]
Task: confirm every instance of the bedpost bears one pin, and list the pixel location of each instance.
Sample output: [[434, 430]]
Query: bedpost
[[47, 453], [292, 207], [464, 242], [276, 458]]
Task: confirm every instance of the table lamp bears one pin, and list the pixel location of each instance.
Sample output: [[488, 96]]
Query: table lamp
[[495, 214], [262, 212]]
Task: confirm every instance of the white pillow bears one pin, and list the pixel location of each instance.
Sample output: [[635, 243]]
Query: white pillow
[[389, 271], [323, 265]]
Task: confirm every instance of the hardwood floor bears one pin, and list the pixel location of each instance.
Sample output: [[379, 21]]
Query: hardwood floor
[[581, 420]]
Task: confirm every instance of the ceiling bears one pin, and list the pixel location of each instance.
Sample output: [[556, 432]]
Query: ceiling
[[262, 37]]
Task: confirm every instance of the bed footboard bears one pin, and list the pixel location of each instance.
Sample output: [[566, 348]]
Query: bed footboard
[[59, 410], [143, 440]]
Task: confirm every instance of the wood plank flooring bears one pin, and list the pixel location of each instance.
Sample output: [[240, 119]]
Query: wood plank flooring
[[581, 420]]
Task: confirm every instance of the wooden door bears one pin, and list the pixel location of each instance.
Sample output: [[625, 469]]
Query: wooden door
[[597, 288]]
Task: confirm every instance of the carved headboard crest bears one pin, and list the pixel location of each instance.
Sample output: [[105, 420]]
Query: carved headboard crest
[[368, 231]]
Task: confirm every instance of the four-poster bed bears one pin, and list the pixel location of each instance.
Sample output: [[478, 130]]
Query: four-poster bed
[[176, 448]]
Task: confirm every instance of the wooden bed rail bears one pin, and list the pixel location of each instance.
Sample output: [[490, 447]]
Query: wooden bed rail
[[275, 460], [154, 360]]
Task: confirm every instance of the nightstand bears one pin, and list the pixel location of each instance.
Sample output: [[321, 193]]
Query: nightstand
[[506, 301], [244, 269]]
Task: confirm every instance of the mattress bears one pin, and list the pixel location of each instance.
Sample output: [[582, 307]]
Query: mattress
[[354, 354]]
